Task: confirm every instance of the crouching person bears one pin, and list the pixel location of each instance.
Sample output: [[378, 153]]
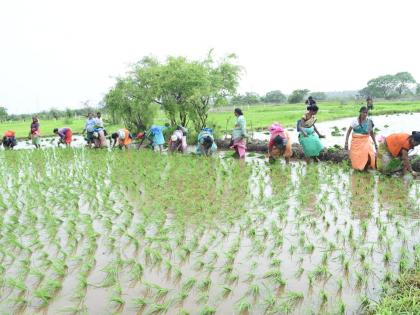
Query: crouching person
[[123, 137], [279, 144], [206, 144], [65, 136], [9, 140], [178, 141]]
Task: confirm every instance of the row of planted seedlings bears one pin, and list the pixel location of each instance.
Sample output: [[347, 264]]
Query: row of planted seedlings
[[138, 232]]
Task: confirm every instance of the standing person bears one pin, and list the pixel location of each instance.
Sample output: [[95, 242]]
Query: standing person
[[239, 134], [124, 138], [155, 135], [9, 140], [393, 151], [89, 129], [310, 101], [35, 133], [65, 135], [369, 102], [309, 135], [362, 155], [280, 143], [206, 144], [99, 132], [178, 141]]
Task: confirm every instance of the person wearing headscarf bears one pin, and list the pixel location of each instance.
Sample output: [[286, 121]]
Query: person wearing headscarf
[[9, 140], [280, 143], [178, 140], [393, 152], [362, 154]]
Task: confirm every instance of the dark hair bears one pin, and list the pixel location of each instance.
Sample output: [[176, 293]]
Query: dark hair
[[363, 109], [416, 136], [279, 142], [312, 108], [207, 142], [238, 111], [55, 130], [310, 97], [114, 135], [98, 114]]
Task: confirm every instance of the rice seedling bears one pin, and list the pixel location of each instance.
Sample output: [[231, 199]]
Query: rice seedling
[[244, 306], [207, 310]]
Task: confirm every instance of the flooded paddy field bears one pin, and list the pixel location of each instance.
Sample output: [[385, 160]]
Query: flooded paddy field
[[99, 232]]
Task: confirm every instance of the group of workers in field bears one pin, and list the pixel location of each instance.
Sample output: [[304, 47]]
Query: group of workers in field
[[387, 154]]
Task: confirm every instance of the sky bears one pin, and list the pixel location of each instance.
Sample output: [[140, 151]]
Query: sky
[[60, 54]]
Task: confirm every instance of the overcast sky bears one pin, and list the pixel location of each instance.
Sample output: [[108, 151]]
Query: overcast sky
[[62, 53]]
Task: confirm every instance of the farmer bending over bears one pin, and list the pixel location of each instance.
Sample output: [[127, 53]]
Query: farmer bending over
[[279, 144], [178, 141], [65, 136], [9, 140], [124, 138], [206, 144], [394, 149]]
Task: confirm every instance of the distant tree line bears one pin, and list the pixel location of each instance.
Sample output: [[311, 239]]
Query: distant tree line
[[52, 113], [276, 97]]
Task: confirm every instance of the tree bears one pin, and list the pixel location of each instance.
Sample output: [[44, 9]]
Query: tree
[[126, 100], [275, 97], [297, 96], [3, 114], [418, 89], [404, 80]]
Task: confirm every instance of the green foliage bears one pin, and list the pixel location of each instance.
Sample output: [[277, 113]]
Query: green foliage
[[275, 97], [297, 96], [389, 86]]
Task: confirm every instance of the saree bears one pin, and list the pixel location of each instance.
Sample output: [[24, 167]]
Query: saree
[[311, 144], [361, 151]]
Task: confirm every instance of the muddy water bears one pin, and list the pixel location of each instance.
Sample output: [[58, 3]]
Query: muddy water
[[308, 237], [384, 124]]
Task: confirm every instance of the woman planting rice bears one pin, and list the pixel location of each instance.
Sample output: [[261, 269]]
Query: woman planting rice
[[239, 134], [155, 135], [99, 132], [9, 140], [89, 129], [279, 144], [309, 135], [124, 138], [65, 135], [34, 133], [393, 152], [206, 144], [178, 141], [362, 155]]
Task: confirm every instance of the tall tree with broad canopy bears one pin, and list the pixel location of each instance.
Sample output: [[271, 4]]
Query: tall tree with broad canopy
[[404, 80], [133, 98]]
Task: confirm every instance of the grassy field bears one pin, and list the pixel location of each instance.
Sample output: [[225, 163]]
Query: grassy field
[[258, 116], [262, 116]]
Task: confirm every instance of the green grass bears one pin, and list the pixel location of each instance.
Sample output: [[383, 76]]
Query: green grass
[[258, 116], [261, 116], [403, 298]]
